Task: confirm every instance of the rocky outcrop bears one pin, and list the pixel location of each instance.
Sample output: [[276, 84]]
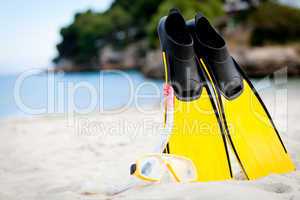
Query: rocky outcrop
[[135, 56], [66, 65], [262, 61], [257, 62], [153, 66], [130, 57]]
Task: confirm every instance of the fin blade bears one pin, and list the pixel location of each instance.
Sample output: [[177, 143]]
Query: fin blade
[[196, 135], [254, 137]]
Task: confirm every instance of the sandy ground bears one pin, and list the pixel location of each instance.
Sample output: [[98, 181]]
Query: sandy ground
[[88, 157]]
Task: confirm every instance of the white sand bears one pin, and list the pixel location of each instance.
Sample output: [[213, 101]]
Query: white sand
[[47, 158]]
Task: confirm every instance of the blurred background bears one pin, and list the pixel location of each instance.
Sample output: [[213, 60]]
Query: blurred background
[[78, 41]]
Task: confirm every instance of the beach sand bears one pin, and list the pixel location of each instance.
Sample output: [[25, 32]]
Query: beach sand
[[88, 157]]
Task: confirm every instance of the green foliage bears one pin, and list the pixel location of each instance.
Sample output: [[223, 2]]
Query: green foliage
[[89, 31], [140, 11], [275, 23], [122, 23], [126, 21], [78, 42], [188, 8]]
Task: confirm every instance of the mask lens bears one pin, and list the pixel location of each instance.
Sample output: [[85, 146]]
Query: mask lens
[[151, 168], [183, 168]]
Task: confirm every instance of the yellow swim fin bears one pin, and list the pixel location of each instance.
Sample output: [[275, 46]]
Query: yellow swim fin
[[196, 130], [249, 127]]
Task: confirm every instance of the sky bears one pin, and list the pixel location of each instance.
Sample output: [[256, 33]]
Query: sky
[[292, 2], [29, 30]]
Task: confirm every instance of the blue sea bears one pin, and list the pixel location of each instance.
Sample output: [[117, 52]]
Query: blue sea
[[32, 93]]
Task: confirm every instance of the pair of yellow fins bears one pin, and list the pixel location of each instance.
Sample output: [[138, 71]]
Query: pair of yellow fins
[[215, 107]]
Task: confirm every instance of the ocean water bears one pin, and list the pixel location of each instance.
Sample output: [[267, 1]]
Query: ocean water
[[33, 93]]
